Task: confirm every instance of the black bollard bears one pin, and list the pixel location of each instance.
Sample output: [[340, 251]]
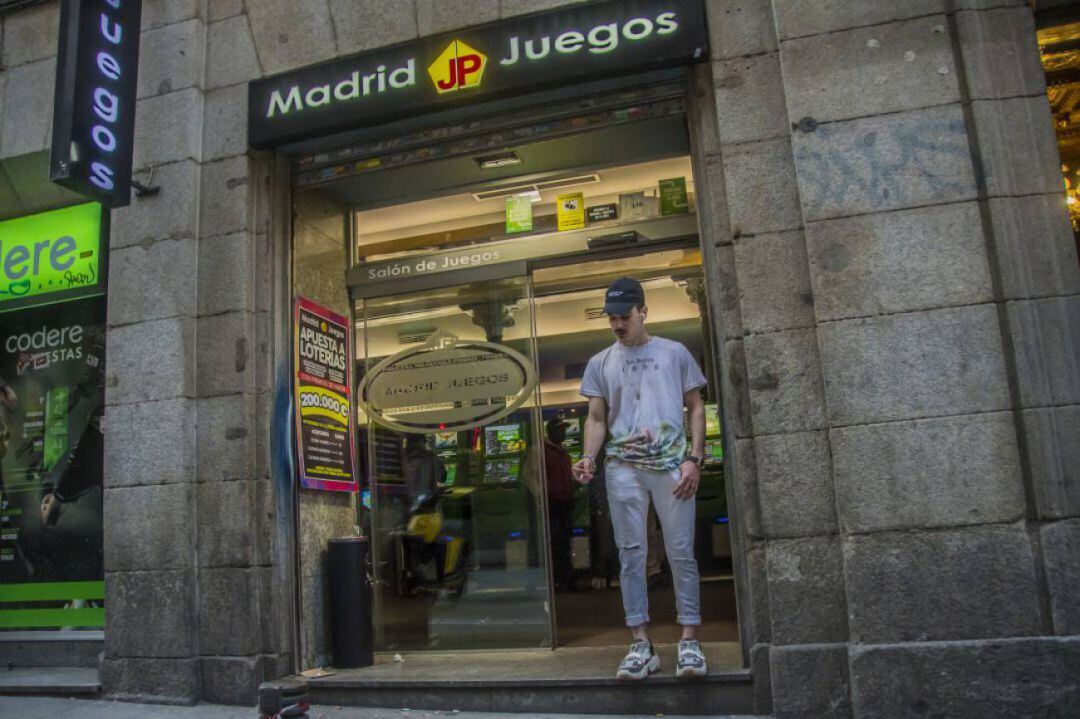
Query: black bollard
[[352, 638]]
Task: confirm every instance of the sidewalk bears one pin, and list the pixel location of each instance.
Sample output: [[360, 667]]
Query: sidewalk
[[12, 707]]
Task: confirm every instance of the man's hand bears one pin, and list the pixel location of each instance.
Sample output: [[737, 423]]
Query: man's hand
[[50, 509], [690, 476], [584, 469]]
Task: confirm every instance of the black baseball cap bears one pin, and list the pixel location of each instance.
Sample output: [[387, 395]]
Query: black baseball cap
[[623, 295]]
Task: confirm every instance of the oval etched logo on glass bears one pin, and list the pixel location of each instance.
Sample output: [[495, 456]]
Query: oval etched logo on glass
[[448, 384]]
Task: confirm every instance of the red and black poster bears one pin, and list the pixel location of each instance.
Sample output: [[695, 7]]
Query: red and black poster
[[323, 391]]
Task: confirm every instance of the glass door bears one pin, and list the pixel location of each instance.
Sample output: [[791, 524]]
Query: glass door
[[452, 451], [570, 328]]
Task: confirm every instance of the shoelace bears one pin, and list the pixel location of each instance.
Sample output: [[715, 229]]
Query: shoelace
[[690, 646], [638, 650]]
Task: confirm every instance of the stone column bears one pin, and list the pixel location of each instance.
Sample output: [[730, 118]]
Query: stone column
[[151, 569], [191, 517], [908, 387], [782, 470]]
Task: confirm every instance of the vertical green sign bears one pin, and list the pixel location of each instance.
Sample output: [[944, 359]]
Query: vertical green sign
[[50, 252], [673, 200], [519, 215]]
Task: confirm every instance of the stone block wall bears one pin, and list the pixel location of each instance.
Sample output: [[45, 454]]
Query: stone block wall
[[894, 285], [898, 279]]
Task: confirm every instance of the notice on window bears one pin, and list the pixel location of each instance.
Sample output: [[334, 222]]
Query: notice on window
[[602, 213], [673, 199], [632, 205], [323, 389], [570, 209], [519, 214]]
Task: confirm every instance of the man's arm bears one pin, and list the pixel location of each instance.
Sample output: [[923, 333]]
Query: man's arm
[[595, 433], [690, 473], [696, 406]]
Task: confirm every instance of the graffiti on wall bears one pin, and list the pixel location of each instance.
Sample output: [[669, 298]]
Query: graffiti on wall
[[882, 163]]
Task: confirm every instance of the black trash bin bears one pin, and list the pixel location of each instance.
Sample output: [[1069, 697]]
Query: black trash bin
[[352, 639]]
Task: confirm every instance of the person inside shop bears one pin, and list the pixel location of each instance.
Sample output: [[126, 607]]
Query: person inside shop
[[423, 469], [637, 388], [560, 492]]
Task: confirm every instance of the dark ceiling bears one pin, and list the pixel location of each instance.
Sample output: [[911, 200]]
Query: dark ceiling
[[618, 145]]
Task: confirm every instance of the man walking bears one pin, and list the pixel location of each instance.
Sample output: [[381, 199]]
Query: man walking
[[637, 388]]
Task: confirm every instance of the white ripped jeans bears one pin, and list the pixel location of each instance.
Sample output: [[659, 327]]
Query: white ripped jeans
[[629, 488]]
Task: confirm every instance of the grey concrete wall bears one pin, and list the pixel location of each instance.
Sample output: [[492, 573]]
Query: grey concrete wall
[[899, 285]]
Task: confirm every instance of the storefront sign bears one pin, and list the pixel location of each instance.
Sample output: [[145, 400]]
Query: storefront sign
[[52, 395], [51, 255], [323, 367], [448, 385], [570, 211], [375, 278], [523, 54], [94, 105]]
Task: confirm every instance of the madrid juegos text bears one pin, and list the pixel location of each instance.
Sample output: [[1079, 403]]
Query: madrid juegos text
[[383, 79]]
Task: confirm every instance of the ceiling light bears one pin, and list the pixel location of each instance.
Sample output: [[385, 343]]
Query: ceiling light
[[503, 159], [499, 193]]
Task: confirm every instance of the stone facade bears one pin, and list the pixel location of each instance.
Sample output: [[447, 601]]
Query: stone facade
[[896, 289]]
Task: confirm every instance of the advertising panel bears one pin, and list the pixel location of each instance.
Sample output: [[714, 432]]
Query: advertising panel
[[673, 196], [52, 394], [587, 41], [97, 67], [323, 389], [519, 214], [52, 256], [570, 211]]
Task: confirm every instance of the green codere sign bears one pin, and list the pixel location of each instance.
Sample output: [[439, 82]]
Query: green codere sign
[[51, 252]]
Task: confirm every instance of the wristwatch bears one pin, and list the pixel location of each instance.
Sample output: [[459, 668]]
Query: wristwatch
[[696, 460]]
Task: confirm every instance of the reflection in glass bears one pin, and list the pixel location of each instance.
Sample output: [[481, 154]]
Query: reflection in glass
[[455, 514]]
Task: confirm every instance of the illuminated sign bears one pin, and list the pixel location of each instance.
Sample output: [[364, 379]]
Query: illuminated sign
[[587, 41], [52, 255], [94, 105], [458, 67]]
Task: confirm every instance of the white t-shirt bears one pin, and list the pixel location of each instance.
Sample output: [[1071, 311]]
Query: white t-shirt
[[644, 387]]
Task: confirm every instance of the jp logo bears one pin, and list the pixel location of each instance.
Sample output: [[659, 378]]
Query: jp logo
[[458, 67]]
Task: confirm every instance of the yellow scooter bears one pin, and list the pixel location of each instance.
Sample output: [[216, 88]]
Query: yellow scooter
[[428, 561]]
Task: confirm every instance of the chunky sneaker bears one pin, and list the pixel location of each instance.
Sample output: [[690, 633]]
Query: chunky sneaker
[[640, 662], [691, 660]]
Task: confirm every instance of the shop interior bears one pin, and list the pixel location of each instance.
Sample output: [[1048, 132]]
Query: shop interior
[[1059, 49], [498, 573]]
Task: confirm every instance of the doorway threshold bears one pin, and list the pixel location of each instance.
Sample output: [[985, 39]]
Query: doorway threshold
[[567, 680]]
